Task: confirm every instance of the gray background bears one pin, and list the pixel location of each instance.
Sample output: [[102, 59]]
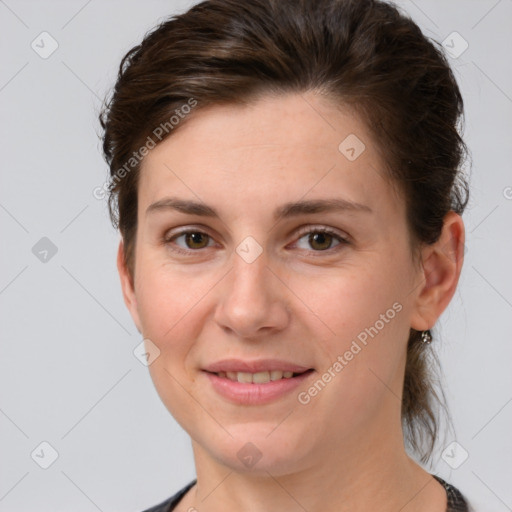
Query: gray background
[[68, 375]]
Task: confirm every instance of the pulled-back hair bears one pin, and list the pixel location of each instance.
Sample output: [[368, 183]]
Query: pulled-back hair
[[364, 54]]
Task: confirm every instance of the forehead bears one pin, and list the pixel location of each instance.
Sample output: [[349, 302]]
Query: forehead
[[291, 144]]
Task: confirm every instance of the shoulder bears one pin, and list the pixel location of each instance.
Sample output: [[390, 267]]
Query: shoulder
[[170, 503], [455, 499]]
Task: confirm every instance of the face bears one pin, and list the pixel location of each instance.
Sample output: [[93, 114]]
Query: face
[[268, 242]]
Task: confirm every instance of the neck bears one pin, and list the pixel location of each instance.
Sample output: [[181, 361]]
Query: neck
[[368, 472]]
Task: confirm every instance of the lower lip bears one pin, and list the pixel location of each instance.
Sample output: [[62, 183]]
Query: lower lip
[[255, 394]]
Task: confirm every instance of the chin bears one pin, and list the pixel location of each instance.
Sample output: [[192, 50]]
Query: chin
[[260, 449]]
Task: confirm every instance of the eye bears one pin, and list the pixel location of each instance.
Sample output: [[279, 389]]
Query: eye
[[192, 240], [320, 239]]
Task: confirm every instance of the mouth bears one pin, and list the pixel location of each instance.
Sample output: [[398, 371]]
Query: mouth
[[256, 382], [262, 377]]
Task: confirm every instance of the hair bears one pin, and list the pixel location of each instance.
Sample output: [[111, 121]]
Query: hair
[[362, 54]]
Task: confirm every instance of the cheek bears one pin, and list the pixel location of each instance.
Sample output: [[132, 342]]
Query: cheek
[[167, 297], [174, 308], [366, 314], [169, 304], [349, 301], [364, 358]]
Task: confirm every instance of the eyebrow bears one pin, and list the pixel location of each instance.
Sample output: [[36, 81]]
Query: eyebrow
[[287, 210]]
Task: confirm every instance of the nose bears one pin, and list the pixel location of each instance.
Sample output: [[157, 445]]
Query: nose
[[253, 300]]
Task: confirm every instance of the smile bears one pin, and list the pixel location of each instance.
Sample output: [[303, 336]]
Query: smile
[[259, 377], [255, 382]]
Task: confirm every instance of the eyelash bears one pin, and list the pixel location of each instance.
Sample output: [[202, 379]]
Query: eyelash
[[302, 232]]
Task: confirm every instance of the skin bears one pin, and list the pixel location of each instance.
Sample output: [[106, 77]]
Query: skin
[[344, 449]]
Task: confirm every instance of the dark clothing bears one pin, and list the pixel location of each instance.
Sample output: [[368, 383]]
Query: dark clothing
[[456, 502], [170, 503]]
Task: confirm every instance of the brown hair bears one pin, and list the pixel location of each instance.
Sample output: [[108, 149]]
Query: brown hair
[[362, 53]]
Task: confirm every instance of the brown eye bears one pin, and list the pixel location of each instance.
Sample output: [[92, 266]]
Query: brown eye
[[196, 240], [320, 241], [188, 242]]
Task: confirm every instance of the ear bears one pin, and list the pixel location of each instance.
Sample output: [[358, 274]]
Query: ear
[[127, 286], [441, 266]]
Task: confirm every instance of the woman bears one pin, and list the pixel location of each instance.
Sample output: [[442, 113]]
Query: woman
[[285, 178]]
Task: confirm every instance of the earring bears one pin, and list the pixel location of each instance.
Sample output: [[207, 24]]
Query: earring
[[426, 337]]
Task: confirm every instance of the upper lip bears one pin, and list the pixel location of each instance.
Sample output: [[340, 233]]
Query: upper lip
[[260, 365]]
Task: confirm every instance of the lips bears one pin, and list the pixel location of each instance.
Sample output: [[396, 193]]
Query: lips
[[255, 382], [256, 366], [254, 388]]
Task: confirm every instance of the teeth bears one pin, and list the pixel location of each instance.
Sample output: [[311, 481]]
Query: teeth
[[261, 377], [257, 378], [276, 374], [244, 377]]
